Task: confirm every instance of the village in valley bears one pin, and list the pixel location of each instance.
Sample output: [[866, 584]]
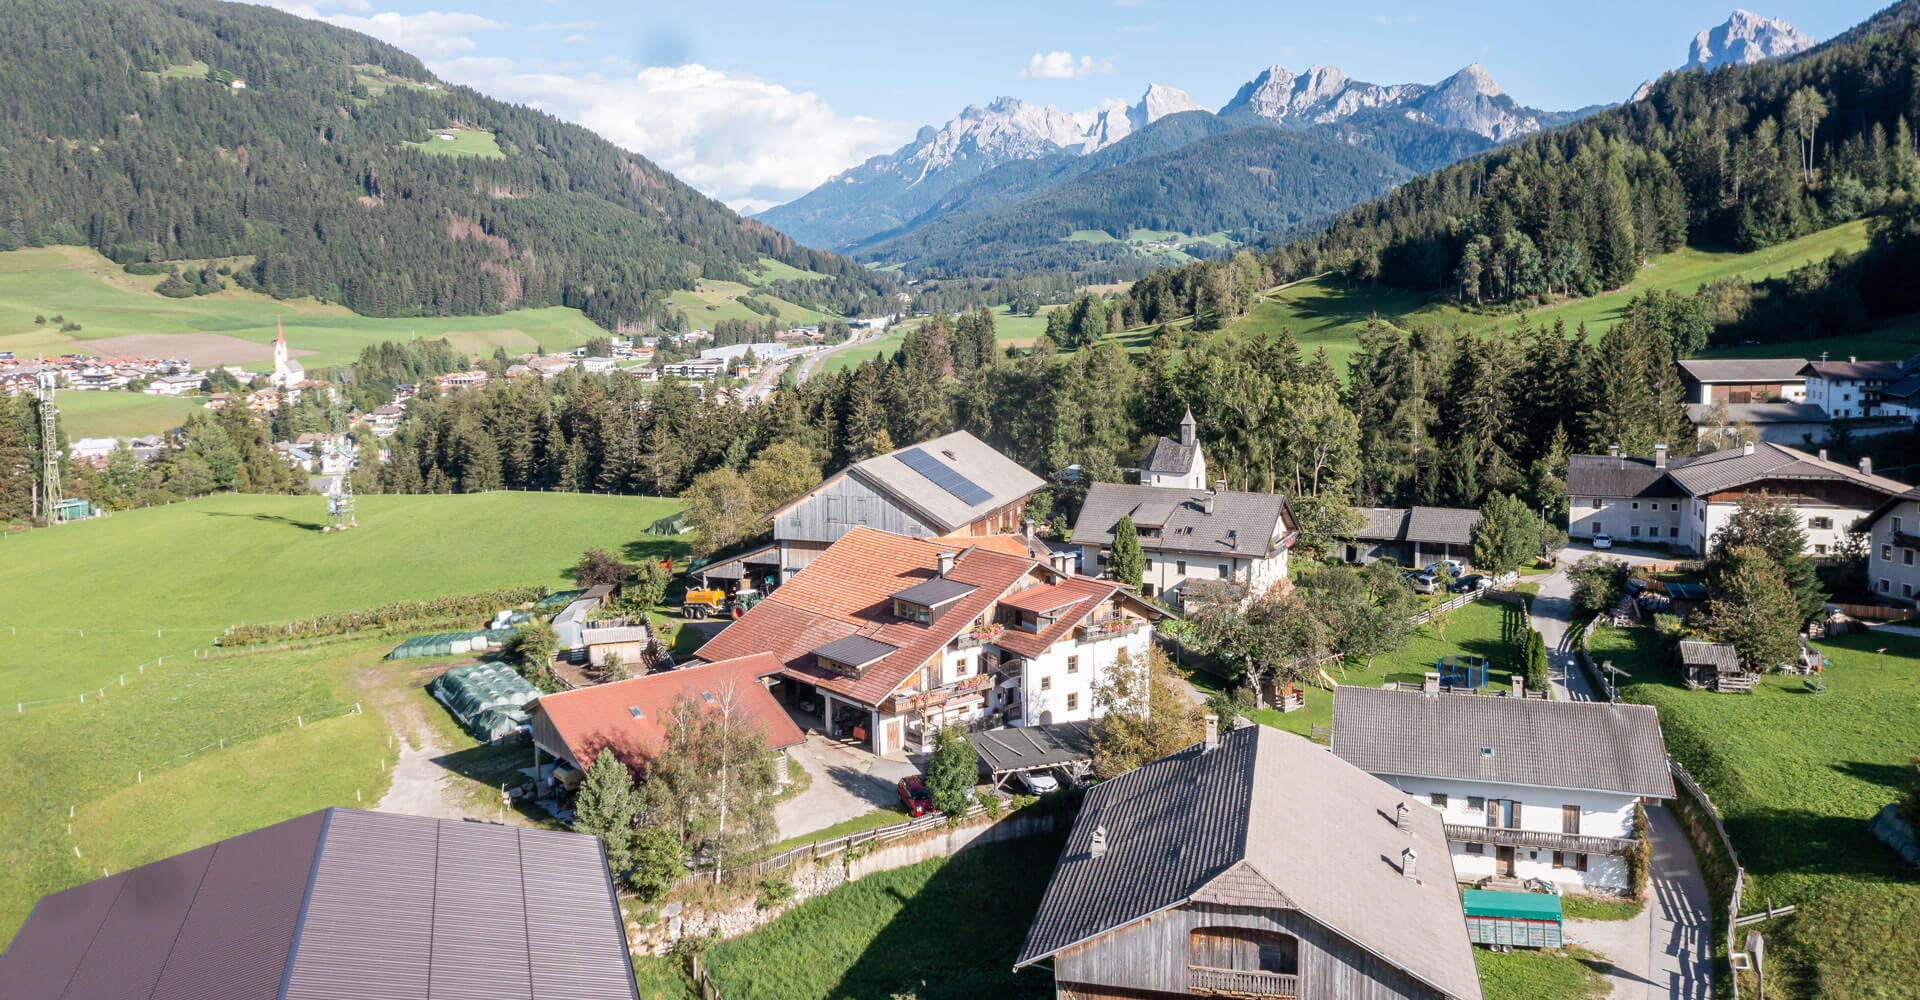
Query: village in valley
[[444, 554]]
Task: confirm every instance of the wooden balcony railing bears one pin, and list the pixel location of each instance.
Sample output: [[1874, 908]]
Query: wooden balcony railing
[[912, 701], [978, 636], [1242, 982], [1578, 843], [1105, 628]]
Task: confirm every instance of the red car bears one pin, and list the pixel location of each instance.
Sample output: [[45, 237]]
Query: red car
[[914, 795]]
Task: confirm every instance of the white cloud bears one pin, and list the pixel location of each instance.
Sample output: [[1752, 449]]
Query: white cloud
[[1394, 19], [576, 39], [429, 34], [1138, 29], [1061, 66], [751, 143]]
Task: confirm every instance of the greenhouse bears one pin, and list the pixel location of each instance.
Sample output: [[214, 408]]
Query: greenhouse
[[451, 643], [487, 698]]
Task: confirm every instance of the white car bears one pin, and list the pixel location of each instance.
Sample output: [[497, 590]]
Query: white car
[[1039, 782], [1603, 541], [1454, 567]]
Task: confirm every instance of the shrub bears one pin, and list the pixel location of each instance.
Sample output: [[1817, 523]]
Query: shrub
[[1638, 854], [1909, 806], [145, 267], [774, 890], [385, 616]]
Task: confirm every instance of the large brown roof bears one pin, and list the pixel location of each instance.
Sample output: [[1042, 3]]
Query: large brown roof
[[602, 717], [1770, 370], [337, 903]]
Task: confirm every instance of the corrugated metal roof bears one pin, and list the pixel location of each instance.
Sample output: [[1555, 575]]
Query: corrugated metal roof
[[855, 650], [935, 592], [1035, 746]]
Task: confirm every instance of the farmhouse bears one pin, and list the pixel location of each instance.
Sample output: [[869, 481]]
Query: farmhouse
[[1893, 548], [1191, 534], [1682, 502], [630, 717], [1744, 380], [891, 638], [1851, 389], [474, 379], [1253, 864], [1716, 425], [1411, 536], [1527, 789], [951, 485], [337, 903], [1900, 400]]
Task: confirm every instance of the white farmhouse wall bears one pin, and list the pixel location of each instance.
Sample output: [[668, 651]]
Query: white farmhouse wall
[[1656, 520], [1095, 664], [1893, 572], [1602, 814]]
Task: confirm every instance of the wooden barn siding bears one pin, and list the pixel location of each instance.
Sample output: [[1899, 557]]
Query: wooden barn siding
[[633, 654], [547, 737], [841, 505], [1152, 956]]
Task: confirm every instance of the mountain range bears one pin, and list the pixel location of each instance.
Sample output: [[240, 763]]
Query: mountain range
[[943, 203]]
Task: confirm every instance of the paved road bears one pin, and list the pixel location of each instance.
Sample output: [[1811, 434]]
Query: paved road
[[847, 782], [811, 363], [1681, 943]]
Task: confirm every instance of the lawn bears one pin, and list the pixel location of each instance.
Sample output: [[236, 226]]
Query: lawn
[[1796, 776], [880, 349], [779, 270], [140, 765], [122, 414], [86, 288], [1479, 629], [946, 928], [465, 142], [714, 301], [1540, 975]]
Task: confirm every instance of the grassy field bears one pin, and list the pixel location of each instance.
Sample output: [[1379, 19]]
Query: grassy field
[[1479, 629], [140, 766], [195, 70], [122, 414], [1540, 975], [465, 142], [86, 288], [946, 928], [714, 301], [779, 270], [1796, 776]]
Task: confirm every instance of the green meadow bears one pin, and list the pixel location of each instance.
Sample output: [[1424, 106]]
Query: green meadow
[[139, 764], [464, 142], [714, 301], [122, 414]]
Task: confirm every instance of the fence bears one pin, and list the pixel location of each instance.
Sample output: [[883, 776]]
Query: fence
[[1596, 677], [876, 837], [1739, 874], [1875, 612]]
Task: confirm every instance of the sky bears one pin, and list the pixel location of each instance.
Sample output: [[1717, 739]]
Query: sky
[[756, 103]]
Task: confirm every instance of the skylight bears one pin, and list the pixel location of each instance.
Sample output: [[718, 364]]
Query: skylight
[[634, 710]]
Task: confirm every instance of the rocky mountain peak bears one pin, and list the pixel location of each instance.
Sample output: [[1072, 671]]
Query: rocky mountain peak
[[1745, 38], [1111, 121]]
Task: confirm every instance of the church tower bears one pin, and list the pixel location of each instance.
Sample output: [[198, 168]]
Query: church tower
[[279, 351]]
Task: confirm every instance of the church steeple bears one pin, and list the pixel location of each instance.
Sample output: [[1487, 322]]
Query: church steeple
[[1188, 429], [279, 347]]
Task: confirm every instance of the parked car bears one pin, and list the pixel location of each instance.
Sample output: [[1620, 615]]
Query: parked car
[[1038, 782], [914, 795], [1422, 582], [1602, 540], [1469, 583], [1454, 567]]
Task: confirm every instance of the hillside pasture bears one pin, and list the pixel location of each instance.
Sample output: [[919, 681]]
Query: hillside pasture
[[779, 270], [83, 287], [139, 762], [714, 301], [461, 142], [121, 414]]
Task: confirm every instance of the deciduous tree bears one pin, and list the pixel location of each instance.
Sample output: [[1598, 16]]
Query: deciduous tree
[[1145, 714], [952, 771]]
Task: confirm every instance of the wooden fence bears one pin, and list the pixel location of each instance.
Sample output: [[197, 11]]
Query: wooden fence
[[1875, 612], [1692, 789], [1596, 678]]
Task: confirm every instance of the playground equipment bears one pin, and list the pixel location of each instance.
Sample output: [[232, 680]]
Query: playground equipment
[[1462, 671]]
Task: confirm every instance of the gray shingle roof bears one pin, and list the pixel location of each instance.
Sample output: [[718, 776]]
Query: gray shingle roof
[[338, 903], [1552, 744], [1622, 476], [1034, 746], [1242, 524], [1177, 824], [855, 650], [1733, 467], [1856, 370], [1709, 654], [1001, 477], [1760, 413], [1904, 389], [1744, 369], [1435, 525], [1384, 524], [1169, 457]]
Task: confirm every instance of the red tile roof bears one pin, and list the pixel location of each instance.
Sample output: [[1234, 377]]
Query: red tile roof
[[591, 719], [1086, 595], [847, 591]]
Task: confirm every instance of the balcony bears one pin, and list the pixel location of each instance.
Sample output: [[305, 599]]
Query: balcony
[[1106, 628], [980, 636], [916, 701], [1242, 982], [1542, 839]]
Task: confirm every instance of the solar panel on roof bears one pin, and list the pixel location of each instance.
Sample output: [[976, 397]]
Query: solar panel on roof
[[966, 490]]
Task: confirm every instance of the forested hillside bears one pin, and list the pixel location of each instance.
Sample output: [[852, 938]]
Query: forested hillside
[[123, 128], [1249, 180], [1741, 158]]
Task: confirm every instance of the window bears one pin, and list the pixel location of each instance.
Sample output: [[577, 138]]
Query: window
[[1906, 590], [1599, 529], [960, 667], [1906, 557], [1475, 802], [1224, 571], [1654, 532], [1884, 587], [1570, 860], [1673, 506], [1636, 531], [1180, 566], [1896, 522], [1570, 820], [1886, 552], [1046, 682], [1820, 550], [1476, 848], [1820, 523], [1146, 588], [1439, 800], [1073, 664], [1073, 701], [1243, 949], [1146, 563], [1103, 557], [1636, 505]]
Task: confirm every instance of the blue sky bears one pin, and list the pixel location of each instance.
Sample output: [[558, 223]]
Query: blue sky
[[758, 102]]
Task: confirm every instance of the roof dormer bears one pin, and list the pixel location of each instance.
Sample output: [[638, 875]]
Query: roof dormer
[[926, 601], [852, 655]]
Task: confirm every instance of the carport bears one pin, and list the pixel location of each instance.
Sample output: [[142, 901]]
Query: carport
[[1067, 746]]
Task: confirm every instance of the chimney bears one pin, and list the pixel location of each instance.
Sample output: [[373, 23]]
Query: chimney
[[946, 563], [1866, 466], [1613, 450], [1028, 524], [1519, 686], [1099, 846], [1823, 454], [1853, 359], [1659, 456], [1219, 486], [1213, 731], [1746, 448], [1430, 685], [1400, 818], [1206, 503], [1407, 859]]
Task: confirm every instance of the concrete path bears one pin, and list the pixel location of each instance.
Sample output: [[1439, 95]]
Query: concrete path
[[847, 782], [1681, 944], [1552, 614], [1623, 943]]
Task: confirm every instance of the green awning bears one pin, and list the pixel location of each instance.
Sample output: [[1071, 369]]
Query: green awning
[[1512, 905]]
